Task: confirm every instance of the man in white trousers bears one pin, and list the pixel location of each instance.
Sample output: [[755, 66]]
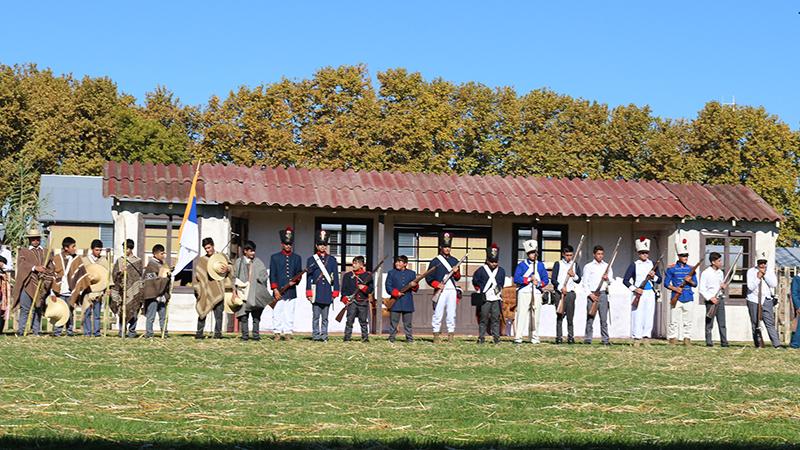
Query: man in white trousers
[[443, 279], [284, 267], [680, 278], [530, 277], [643, 311]]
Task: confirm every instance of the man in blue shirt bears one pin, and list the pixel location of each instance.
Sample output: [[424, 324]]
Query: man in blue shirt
[[530, 277], [796, 302], [681, 273], [403, 307]]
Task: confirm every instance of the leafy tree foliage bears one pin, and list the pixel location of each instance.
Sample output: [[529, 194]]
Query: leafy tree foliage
[[338, 118]]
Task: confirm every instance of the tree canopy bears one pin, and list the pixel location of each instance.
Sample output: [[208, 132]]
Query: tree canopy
[[340, 118]]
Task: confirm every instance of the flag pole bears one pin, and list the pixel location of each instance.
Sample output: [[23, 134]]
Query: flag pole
[[187, 211]]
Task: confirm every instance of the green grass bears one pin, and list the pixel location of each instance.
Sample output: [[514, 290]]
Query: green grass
[[180, 393]]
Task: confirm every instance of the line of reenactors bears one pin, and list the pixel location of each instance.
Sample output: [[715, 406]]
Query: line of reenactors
[[53, 285]]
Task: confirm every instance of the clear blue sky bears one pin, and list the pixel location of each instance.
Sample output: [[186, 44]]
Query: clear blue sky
[[673, 56]]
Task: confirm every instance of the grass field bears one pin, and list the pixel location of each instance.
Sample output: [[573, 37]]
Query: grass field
[[181, 393]]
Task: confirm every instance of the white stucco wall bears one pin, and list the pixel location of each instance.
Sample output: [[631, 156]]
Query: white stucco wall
[[265, 224]]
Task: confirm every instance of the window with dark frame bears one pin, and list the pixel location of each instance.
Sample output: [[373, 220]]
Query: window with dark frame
[[551, 238], [348, 238], [420, 243], [163, 229], [729, 245]]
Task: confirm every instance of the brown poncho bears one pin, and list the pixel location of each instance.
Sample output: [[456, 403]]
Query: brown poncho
[[135, 291], [207, 291], [27, 279]]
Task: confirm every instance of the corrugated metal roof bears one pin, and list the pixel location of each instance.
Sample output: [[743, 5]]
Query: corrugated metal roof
[[73, 198], [393, 191], [787, 256]]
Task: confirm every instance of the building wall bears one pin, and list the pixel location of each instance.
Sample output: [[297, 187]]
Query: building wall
[[83, 234], [264, 224]]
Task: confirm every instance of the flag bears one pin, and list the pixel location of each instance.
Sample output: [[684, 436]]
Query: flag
[[189, 233]]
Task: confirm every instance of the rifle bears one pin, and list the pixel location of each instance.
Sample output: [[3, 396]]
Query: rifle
[[637, 296], [284, 288], [389, 302], [596, 304], [447, 277], [674, 300], [341, 314], [712, 311], [561, 304], [39, 282]]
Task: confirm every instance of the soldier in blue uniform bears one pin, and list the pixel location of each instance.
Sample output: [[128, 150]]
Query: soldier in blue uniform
[[324, 277], [489, 280], [357, 286], [448, 299], [681, 314], [283, 267], [403, 307]]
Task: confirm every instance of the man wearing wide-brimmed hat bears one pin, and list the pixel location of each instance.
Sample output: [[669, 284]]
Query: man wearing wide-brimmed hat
[[132, 293], [32, 267], [212, 274]]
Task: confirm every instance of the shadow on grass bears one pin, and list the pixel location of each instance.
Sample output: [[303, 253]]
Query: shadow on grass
[[7, 442]]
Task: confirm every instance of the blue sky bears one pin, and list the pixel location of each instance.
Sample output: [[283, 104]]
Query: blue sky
[[673, 56]]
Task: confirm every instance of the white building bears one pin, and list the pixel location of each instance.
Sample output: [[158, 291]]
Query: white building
[[382, 213]]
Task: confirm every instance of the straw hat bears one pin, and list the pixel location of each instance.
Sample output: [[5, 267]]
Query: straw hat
[[33, 232], [57, 311], [98, 277], [216, 266], [164, 272], [232, 303]]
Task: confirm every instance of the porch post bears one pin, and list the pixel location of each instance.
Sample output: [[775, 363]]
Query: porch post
[[379, 275]]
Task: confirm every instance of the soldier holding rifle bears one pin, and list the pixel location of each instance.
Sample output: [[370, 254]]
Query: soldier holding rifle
[[641, 278], [712, 284], [401, 283], [760, 305], [566, 278], [596, 277], [357, 286], [680, 278]]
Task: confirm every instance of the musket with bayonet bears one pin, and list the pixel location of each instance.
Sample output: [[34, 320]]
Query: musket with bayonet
[[341, 314], [712, 311], [447, 278], [637, 296], [389, 302], [596, 292], [561, 304]]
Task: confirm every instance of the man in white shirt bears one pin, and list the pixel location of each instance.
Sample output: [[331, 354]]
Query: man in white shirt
[[566, 277], [64, 270], [760, 283], [594, 275], [711, 287]]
